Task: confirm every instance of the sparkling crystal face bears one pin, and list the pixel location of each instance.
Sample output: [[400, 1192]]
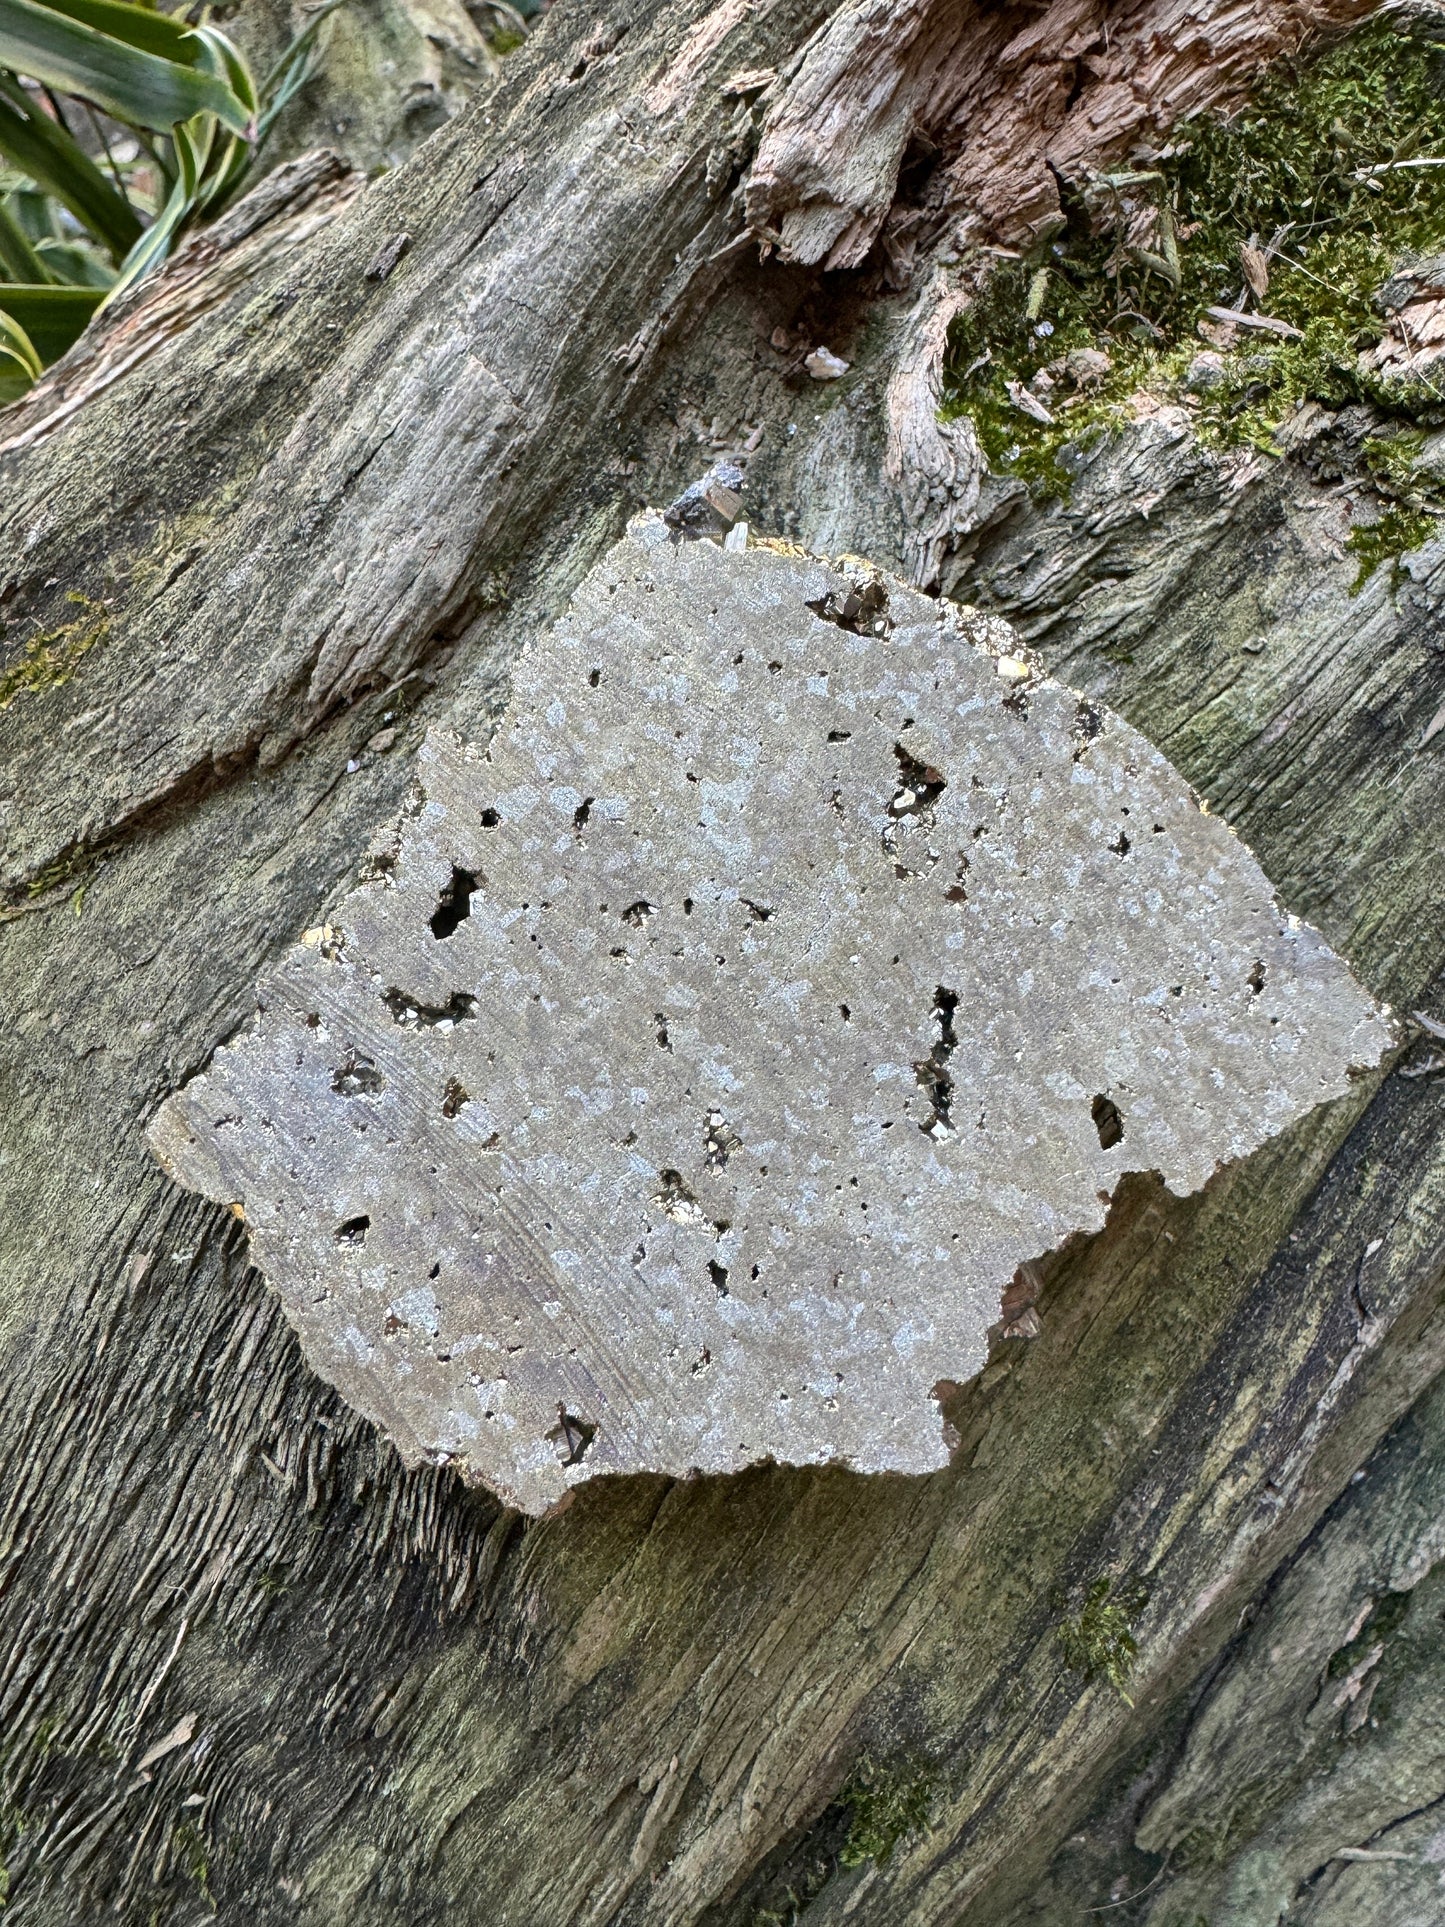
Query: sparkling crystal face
[[703, 1058]]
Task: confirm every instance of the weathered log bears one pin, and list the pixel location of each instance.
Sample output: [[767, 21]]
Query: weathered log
[[247, 1656]]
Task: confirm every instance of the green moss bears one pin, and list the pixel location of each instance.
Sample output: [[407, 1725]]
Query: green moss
[[884, 1803], [1386, 1617], [12, 1825], [1144, 253], [891, 1801], [790, 1905], [1397, 531], [1393, 461], [188, 1844], [1100, 1643], [63, 870], [50, 659]]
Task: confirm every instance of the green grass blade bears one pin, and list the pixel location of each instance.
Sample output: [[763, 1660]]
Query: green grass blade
[[50, 318], [32, 142], [18, 258], [291, 71], [74, 264], [19, 363], [192, 147], [227, 160], [224, 59], [128, 82], [141, 27], [229, 166]]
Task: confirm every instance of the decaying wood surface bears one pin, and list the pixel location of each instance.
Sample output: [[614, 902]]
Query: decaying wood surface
[[1016, 97], [281, 214], [246, 1657]]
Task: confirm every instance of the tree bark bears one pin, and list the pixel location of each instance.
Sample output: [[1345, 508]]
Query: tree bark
[[310, 491]]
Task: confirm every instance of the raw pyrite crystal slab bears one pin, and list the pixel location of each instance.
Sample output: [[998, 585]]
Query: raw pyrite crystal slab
[[697, 1064]]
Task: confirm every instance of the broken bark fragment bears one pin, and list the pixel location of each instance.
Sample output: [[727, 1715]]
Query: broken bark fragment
[[760, 1111], [1080, 89]]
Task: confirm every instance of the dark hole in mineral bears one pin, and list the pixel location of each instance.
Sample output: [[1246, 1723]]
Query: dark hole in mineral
[[932, 1072], [353, 1232], [859, 606], [1107, 1121], [453, 1097], [958, 892], [572, 1436], [1088, 723], [455, 903], [358, 1077], [921, 786], [677, 1199], [720, 1141], [412, 1014]]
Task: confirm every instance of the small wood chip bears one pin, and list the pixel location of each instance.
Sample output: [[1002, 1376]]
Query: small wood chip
[[751, 80], [1256, 269], [1028, 404], [179, 1735], [1267, 322], [824, 365], [387, 256]]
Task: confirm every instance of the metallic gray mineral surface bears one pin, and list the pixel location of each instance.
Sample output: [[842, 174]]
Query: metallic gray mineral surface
[[697, 1064]]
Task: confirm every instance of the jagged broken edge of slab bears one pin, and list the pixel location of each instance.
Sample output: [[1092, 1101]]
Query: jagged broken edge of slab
[[892, 1422]]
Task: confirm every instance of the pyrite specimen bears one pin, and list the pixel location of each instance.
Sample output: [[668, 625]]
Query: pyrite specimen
[[699, 1062]]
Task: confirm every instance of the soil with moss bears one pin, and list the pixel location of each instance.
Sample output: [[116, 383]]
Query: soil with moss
[[1296, 211]]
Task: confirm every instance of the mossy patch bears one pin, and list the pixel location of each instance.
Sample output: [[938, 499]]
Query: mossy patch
[[1099, 1643], [891, 1802], [1299, 208], [1397, 532], [12, 1826], [50, 658], [1387, 1615], [188, 1844], [883, 1804], [65, 869]]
